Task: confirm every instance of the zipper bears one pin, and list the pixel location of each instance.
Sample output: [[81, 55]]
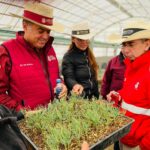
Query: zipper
[[47, 75]]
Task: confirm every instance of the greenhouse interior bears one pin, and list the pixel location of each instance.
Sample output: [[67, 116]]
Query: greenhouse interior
[[105, 17], [93, 67]]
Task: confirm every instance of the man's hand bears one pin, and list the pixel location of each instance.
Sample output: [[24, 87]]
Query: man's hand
[[63, 93], [114, 97], [77, 89], [85, 146]]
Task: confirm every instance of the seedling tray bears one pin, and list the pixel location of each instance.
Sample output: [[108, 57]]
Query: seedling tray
[[113, 137], [30, 145], [100, 145], [108, 126]]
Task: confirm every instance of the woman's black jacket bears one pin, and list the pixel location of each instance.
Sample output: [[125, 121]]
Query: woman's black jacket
[[77, 70]]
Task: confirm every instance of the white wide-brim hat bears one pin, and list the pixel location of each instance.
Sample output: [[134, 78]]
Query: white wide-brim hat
[[136, 30], [40, 14], [81, 31]]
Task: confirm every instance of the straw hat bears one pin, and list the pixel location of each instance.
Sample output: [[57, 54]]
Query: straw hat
[[136, 30], [81, 31], [41, 15]]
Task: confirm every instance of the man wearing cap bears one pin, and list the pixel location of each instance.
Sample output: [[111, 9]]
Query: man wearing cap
[[134, 97], [79, 66], [29, 67]]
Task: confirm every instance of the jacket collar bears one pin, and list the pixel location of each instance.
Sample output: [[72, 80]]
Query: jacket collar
[[140, 61], [121, 57]]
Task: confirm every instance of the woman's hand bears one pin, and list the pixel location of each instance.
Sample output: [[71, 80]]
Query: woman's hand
[[77, 89]]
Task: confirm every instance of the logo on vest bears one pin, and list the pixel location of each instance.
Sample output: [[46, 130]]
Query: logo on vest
[[24, 65], [51, 58], [136, 85]]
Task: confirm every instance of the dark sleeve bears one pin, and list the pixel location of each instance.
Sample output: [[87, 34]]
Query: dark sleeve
[[68, 71], [5, 69], [106, 81]]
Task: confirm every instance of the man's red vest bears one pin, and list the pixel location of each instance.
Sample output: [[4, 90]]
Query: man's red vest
[[28, 78]]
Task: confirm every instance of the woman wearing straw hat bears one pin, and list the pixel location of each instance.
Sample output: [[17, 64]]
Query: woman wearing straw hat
[[134, 97], [28, 64], [79, 66]]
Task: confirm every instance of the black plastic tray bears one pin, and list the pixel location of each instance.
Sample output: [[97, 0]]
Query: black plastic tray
[[113, 137], [100, 145], [30, 145]]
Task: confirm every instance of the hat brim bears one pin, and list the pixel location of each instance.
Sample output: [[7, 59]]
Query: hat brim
[[84, 36], [145, 34], [57, 27]]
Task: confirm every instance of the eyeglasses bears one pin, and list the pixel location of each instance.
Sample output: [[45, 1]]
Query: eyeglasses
[[131, 44], [128, 44]]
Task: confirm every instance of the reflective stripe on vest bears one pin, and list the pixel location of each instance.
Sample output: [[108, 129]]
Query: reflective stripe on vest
[[135, 109]]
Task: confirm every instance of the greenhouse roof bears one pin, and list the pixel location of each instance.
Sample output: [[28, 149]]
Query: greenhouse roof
[[104, 16]]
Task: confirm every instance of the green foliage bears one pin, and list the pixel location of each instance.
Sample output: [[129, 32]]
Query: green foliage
[[64, 121]]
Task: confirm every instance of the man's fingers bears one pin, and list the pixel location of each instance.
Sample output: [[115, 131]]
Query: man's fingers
[[85, 146], [63, 93]]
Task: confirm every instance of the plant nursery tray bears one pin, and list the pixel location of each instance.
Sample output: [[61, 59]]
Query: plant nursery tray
[[113, 137], [30, 145], [64, 125], [100, 145]]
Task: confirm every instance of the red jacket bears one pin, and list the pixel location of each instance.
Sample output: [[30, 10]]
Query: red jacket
[[136, 100], [25, 75]]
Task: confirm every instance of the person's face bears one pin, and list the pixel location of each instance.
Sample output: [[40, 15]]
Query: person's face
[[81, 44], [35, 35], [135, 48]]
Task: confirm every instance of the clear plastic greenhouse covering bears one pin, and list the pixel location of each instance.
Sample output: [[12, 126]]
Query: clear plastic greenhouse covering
[[104, 16]]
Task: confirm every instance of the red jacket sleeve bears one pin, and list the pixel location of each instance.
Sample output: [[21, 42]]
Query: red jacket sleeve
[[5, 69]]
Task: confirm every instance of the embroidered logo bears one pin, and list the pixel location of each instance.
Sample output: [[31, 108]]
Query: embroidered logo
[[51, 57], [46, 20], [136, 85], [24, 65]]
